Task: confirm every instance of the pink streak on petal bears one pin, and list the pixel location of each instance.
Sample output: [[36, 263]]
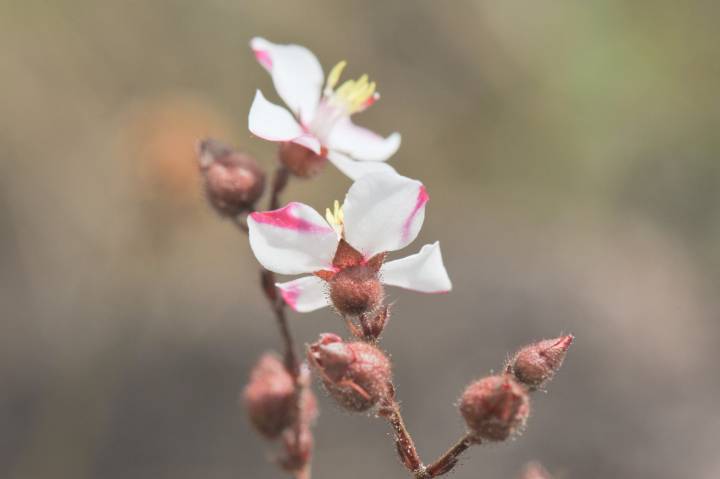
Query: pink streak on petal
[[291, 295], [283, 218], [422, 198], [263, 57]]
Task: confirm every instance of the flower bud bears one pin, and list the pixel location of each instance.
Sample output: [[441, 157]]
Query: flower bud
[[374, 327], [535, 364], [301, 162], [269, 397], [356, 290], [356, 374], [233, 180], [494, 407]]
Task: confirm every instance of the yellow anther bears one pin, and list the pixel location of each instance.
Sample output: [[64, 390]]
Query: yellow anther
[[344, 90], [335, 217], [362, 81], [352, 94], [340, 213], [334, 75]]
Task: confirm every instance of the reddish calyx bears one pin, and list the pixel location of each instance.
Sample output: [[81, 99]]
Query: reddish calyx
[[355, 287]]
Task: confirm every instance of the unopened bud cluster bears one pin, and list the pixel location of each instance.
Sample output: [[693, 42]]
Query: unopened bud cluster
[[497, 407]]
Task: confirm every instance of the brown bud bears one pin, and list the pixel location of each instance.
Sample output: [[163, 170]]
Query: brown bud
[[301, 162], [233, 180], [537, 363], [494, 407], [269, 397], [356, 374], [356, 290], [374, 326]]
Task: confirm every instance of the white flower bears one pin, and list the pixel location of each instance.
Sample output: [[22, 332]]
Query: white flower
[[382, 212], [320, 118]]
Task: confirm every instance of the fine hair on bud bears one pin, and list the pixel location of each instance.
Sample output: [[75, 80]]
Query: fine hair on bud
[[356, 290], [301, 162], [355, 374], [269, 397], [374, 326], [494, 408], [233, 181], [537, 363]]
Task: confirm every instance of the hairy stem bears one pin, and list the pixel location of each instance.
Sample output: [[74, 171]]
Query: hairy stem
[[403, 441], [278, 307], [279, 182], [277, 304], [449, 460], [406, 447]]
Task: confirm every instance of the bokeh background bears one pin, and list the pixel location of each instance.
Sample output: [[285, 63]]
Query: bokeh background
[[571, 153]]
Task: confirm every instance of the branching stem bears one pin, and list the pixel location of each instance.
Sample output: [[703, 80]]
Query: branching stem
[[449, 460], [278, 307], [406, 446]]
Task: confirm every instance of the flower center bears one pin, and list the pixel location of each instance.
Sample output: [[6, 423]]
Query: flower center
[[335, 217], [352, 96]]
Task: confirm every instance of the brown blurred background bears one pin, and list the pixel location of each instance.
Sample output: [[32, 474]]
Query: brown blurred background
[[571, 153]]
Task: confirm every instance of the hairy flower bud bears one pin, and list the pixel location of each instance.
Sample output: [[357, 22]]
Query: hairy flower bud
[[301, 162], [535, 364], [355, 374], [494, 407], [233, 180], [269, 397], [356, 290], [373, 327]]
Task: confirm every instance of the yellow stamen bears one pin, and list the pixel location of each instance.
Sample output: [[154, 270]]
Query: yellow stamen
[[335, 217], [334, 75], [354, 94]]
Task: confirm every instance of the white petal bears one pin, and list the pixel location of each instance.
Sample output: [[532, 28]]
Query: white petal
[[292, 240], [310, 142], [356, 169], [424, 271], [271, 121], [305, 294], [361, 143], [383, 212], [296, 73]]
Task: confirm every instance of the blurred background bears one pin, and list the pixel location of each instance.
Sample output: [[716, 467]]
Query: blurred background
[[571, 153]]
